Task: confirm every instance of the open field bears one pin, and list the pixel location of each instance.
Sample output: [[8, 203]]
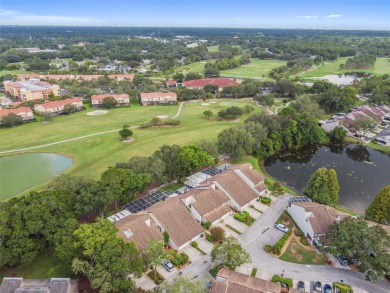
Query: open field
[[382, 66], [213, 48], [94, 154], [256, 69], [197, 67]]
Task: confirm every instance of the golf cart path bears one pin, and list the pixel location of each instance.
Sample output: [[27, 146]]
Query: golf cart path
[[79, 137]]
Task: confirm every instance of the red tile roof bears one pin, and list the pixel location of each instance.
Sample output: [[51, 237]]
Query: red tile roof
[[4, 112], [58, 76], [121, 76], [102, 97], [157, 95], [54, 104], [219, 81], [170, 82], [89, 77], [27, 76]]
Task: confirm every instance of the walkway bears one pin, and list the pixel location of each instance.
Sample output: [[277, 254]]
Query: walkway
[[179, 110]]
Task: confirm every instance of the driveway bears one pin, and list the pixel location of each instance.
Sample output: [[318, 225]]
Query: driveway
[[229, 220]]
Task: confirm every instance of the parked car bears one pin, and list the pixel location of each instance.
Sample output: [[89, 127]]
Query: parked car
[[281, 227], [327, 288], [301, 286], [343, 261], [318, 286], [167, 265]]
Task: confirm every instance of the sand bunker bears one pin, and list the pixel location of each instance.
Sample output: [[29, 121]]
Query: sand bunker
[[128, 140], [205, 104], [97, 112], [162, 116]]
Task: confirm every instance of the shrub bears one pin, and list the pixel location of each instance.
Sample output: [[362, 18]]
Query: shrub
[[194, 244], [180, 259], [166, 237], [344, 288], [287, 281], [304, 241], [276, 249], [209, 238], [156, 277], [298, 232], [217, 233], [241, 216], [267, 248], [265, 200], [207, 225]]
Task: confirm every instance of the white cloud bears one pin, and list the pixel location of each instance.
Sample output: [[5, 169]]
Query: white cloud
[[333, 16], [237, 19], [306, 16], [18, 17]]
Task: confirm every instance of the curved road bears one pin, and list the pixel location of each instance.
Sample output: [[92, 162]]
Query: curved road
[[253, 241], [79, 137]]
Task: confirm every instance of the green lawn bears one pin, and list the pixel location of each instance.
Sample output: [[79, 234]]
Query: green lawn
[[94, 154], [44, 266], [256, 69], [13, 72], [296, 253], [213, 48], [197, 67], [382, 66]]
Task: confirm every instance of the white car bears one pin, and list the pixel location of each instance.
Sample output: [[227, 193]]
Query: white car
[[281, 227], [167, 265]]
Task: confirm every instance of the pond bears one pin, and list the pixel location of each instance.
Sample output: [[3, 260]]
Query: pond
[[361, 172], [344, 79], [21, 172]]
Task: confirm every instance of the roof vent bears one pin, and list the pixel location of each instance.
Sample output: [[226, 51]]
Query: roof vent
[[128, 233], [147, 222]]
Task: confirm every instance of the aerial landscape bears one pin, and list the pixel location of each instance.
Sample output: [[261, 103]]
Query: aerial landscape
[[187, 147]]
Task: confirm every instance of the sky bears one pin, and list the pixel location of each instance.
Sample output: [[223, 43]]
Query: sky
[[324, 14]]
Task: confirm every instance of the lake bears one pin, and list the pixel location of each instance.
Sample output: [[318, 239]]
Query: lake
[[344, 79], [361, 172], [21, 172]]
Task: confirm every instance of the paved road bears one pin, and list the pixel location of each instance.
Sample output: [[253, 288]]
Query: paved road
[[263, 232]]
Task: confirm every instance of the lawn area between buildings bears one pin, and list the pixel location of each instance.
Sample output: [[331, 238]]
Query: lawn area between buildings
[[94, 154], [382, 66], [297, 253], [43, 266]]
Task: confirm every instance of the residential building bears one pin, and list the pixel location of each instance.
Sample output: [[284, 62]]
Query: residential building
[[221, 82], [122, 99], [241, 184], [120, 77], [173, 217], [110, 68], [158, 98], [57, 107], [228, 281], [88, 76], [24, 112], [139, 228], [53, 285], [33, 89], [207, 204], [313, 218]]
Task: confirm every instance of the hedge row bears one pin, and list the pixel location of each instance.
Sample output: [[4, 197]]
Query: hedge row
[[277, 248], [287, 281], [180, 259], [241, 216], [194, 244], [209, 237], [344, 288]]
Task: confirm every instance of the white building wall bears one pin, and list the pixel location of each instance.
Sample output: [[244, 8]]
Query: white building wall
[[299, 215], [188, 243], [195, 214]]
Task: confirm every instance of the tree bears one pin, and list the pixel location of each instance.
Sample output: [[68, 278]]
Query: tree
[[209, 147], [183, 285], [217, 233], [211, 88], [154, 166], [11, 120], [235, 141], [70, 109], [109, 102], [323, 186], [208, 114], [104, 258], [379, 209], [266, 100], [364, 123], [125, 132], [369, 246], [230, 113], [46, 116], [155, 253], [305, 104], [179, 77], [338, 135], [230, 254], [193, 75]]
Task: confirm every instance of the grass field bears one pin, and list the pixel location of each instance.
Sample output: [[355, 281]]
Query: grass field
[[296, 253], [382, 66], [94, 154], [213, 48], [43, 266], [256, 69]]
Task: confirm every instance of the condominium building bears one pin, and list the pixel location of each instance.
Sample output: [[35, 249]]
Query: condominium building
[[32, 89]]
